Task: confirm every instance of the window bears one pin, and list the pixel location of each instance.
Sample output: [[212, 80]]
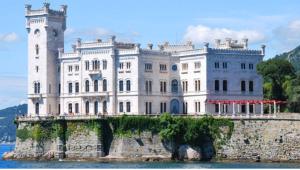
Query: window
[[95, 85], [243, 66], [59, 86], [243, 86], [128, 107], [197, 107], [121, 85], [96, 107], [37, 69], [36, 32], [121, 107], [224, 85], [76, 87], [87, 86], [96, 64], [216, 108], [37, 49], [49, 88], [104, 64], [76, 67], [225, 65], [148, 67], [185, 107], [163, 107], [251, 86], [76, 108], [128, 65], [163, 86], [251, 66], [216, 64], [217, 87], [104, 85], [58, 108], [197, 85], [87, 65], [70, 68], [174, 86], [70, 107], [148, 86], [121, 65], [128, 88], [70, 88], [163, 67], [243, 108], [184, 66], [37, 88], [87, 107], [148, 107], [104, 106], [251, 108], [197, 65], [37, 108], [185, 86]]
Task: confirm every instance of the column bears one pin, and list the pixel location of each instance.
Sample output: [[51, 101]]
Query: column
[[219, 109], [233, 109], [254, 109], [275, 109], [238, 108], [270, 109], [248, 113], [261, 109]]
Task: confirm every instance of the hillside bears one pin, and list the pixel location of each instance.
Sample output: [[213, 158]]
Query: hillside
[[7, 126], [293, 57]]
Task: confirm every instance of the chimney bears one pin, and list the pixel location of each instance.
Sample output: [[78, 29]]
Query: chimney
[[98, 40], [217, 42], [228, 42], [263, 48], [78, 44], [46, 7], [74, 47], [63, 8], [245, 43], [150, 46]]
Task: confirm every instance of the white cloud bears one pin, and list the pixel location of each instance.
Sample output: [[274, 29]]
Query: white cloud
[[288, 36], [9, 37], [202, 33]]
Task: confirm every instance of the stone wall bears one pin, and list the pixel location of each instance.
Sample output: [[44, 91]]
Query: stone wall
[[251, 139], [138, 146], [266, 140]]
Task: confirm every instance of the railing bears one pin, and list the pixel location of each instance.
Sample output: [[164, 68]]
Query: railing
[[276, 116]]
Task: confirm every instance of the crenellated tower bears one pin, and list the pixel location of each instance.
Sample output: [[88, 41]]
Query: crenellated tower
[[45, 29]]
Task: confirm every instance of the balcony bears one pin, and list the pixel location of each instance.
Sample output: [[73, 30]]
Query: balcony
[[35, 96], [95, 73]]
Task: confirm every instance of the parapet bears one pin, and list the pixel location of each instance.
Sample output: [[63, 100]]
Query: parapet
[[166, 47], [232, 44], [45, 10]]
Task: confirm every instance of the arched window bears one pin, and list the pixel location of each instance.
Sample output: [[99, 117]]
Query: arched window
[[87, 86], [36, 32], [174, 86], [121, 85], [104, 107], [96, 107], [70, 107], [243, 86], [104, 85], [37, 108], [35, 88], [95, 85], [76, 87], [38, 87], [37, 49], [87, 107], [128, 85]]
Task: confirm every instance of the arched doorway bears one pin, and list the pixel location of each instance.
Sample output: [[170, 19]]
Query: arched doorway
[[174, 106]]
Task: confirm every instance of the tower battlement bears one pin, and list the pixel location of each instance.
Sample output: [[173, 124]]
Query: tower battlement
[[43, 14]]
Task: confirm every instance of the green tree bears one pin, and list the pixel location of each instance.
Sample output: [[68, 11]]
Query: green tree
[[275, 73]]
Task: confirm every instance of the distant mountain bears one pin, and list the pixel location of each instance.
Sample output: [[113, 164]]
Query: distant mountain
[[7, 126], [293, 57]]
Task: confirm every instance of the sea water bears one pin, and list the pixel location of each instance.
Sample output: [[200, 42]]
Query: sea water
[[123, 165]]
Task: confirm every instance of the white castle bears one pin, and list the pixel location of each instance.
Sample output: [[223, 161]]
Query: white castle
[[113, 78]]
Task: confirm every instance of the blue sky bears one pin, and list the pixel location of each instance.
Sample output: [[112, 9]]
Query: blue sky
[[275, 23]]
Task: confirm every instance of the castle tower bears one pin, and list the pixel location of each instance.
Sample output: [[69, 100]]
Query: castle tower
[[45, 36]]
